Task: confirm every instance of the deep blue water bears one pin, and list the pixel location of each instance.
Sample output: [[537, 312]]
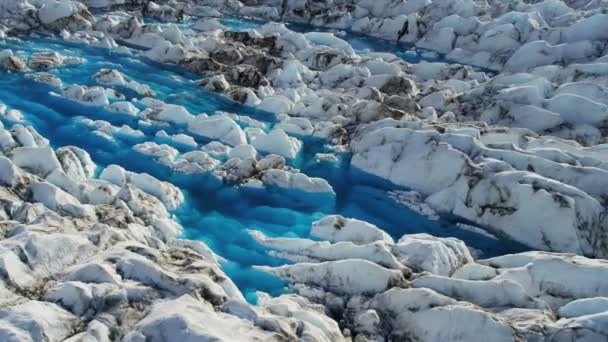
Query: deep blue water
[[218, 215]]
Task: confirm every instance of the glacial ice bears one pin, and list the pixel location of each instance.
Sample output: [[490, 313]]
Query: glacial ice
[[361, 171]]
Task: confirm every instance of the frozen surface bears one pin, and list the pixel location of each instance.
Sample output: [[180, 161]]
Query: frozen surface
[[422, 170]]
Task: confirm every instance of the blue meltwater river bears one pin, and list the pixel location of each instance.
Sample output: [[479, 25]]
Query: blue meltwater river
[[217, 215]]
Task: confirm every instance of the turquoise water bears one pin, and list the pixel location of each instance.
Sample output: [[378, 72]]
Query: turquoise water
[[216, 214]]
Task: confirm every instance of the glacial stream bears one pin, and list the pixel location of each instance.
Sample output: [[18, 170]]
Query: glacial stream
[[218, 215]]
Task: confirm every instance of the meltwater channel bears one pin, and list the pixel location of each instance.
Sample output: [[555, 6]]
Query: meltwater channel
[[218, 215]]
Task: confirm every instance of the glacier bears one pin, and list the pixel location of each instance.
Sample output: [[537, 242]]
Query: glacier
[[296, 170]]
